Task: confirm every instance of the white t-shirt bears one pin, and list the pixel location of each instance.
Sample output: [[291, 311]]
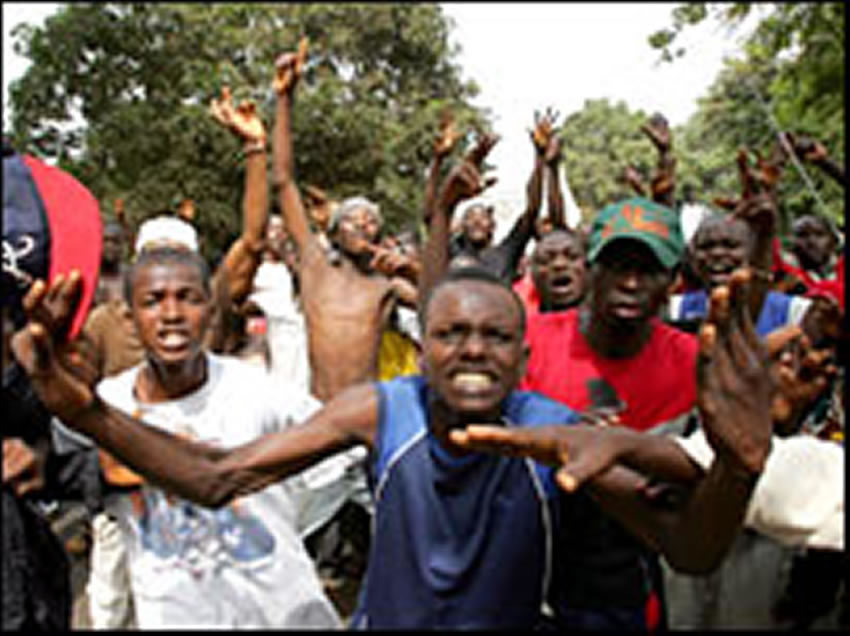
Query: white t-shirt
[[286, 330], [799, 497], [240, 566]]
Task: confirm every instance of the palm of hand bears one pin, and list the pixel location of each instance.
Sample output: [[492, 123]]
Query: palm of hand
[[243, 120]]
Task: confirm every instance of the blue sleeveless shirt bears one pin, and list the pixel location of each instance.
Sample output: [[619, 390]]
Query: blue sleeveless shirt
[[456, 542]]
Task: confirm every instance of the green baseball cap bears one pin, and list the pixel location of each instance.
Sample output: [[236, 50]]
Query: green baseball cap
[[655, 225]]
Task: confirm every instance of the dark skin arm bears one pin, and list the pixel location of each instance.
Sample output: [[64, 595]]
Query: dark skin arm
[[288, 71], [243, 258], [463, 182], [733, 400], [199, 472], [555, 198], [663, 184]]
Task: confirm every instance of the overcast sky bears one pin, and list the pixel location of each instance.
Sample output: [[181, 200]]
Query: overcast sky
[[527, 56]]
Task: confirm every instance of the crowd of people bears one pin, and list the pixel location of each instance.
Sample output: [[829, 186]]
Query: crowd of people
[[591, 427]]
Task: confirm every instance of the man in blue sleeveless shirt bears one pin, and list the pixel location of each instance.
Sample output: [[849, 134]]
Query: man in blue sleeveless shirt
[[464, 539]]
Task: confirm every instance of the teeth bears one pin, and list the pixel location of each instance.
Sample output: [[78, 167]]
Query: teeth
[[472, 381], [173, 340]]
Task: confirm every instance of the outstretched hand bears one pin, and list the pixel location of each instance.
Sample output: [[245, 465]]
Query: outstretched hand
[[734, 390], [59, 371], [289, 67], [579, 452], [243, 121]]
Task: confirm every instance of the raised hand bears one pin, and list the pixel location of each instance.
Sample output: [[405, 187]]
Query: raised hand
[[800, 373], [544, 130], [552, 156], [734, 389], [289, 67], [658, 131], [390, 262], [186, 210], [447, 137], [243, 121], [59, 371], [464, 181]]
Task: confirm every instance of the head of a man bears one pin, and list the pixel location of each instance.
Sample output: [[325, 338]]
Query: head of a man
[[355, 225], [473, 354], [168, 291], [720, 245], [275, 235], [113, 246], [634, 247], [478, 225], [558, 270], [814, 242]]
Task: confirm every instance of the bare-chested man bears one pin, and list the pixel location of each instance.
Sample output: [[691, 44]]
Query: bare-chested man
[[346, 301]]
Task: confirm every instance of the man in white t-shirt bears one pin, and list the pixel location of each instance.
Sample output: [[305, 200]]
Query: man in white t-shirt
[[241, 565]]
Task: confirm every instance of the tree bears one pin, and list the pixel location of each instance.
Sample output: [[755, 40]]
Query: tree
[[599, 141], [789, 76], [118, 94]]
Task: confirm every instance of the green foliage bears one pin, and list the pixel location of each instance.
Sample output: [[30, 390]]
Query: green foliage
[[790, 76], [599, 142], [118, 94]]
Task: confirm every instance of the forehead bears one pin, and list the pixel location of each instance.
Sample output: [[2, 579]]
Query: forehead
[[477, 211], [472, 300], [722, 228], [810, 224], [164, 273], [359, 212], [557, 241]]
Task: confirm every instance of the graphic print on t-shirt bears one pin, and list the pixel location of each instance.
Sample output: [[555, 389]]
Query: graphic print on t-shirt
[[197, 538], [603, 397]]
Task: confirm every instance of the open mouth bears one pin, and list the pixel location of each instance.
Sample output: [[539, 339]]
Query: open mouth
[[718, 273], [173, 340], [472, 381], [561, 285]]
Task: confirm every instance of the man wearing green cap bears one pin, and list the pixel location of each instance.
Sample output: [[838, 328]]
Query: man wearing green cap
[[614, 355]]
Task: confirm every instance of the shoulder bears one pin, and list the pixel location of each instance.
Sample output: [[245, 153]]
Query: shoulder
[[529, 408], [118, 389], [674, 340]]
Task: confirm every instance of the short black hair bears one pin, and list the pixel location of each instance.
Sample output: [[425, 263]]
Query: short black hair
[[162, 255], [474, 273]]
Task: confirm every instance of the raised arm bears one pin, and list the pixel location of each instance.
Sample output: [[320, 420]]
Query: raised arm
[[554, 196], [664, 182], [289, 67], [244, 255], [207, 475], [464, 181]]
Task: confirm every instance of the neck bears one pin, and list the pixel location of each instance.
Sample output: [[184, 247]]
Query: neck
[[159, 382], [442, 420], [613, 341]]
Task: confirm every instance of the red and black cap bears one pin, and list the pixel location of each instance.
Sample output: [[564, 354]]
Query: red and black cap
[[51, 225]]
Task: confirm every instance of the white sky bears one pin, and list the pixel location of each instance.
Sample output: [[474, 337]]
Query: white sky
[[527, 56]]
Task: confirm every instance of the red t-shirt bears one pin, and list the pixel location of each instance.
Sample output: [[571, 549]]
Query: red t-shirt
[[656, 386]]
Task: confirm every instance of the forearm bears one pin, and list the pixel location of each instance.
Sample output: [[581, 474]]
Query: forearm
[[255, 199], [534, 191], [435, 253], [283, 170], [431, 188], [186, 468], [555, 199]]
